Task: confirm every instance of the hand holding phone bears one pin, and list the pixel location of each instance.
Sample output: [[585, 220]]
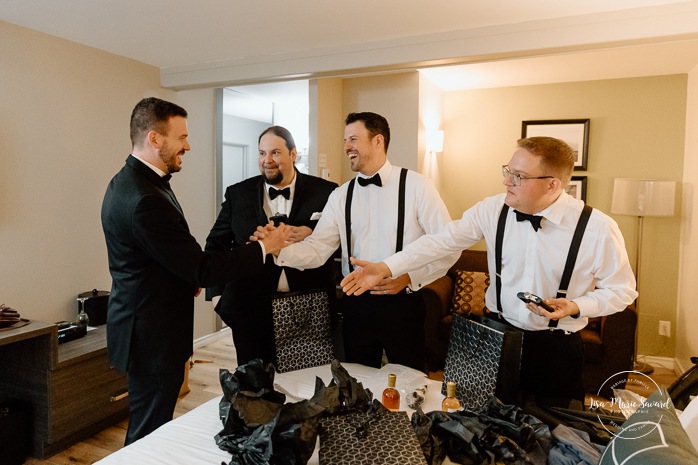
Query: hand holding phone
[[527, 297]]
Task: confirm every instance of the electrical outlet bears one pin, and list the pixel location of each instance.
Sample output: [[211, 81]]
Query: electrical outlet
[[665, 328]]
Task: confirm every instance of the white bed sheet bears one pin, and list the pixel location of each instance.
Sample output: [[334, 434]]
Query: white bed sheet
[[689, 420], [188, 439]]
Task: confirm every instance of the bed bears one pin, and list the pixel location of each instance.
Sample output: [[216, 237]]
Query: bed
[[189, 439]]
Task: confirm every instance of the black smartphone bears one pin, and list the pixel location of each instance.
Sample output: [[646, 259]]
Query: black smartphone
[[532, 298]]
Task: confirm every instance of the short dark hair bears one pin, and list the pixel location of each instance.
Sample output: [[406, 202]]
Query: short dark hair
[[152, 114], [282, 132], [375, 124]]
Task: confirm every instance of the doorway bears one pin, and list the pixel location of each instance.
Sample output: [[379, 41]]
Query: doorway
[[246, 111]]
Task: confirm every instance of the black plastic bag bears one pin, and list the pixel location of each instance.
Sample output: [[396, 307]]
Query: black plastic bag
[[501, 434], [260, 429]]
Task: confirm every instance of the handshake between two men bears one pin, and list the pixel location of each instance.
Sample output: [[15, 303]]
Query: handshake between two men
[[367, 276], [275, 237]]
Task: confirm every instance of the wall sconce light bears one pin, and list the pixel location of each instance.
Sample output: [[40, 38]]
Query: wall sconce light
[[435, 141]]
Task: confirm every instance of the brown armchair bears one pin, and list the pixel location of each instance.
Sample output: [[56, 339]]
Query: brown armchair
[[438, 298], [608, 341], [609, 344]]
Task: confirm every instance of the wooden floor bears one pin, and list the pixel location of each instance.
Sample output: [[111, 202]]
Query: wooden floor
[[638, 383], [204, 385]]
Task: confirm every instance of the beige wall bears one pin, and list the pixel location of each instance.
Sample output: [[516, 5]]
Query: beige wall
[[637, 130], [327, 125], [395, 96], [64, 122], [687, 315]]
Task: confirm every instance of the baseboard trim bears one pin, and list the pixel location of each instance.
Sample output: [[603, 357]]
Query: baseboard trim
[[211, 338], [663, 362], [681, 368]]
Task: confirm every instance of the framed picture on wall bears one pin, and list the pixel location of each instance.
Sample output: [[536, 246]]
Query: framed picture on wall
[[573, 131], [577, 188]]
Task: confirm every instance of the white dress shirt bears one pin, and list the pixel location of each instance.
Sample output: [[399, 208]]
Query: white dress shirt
[[281, 206], [374, 225], [602, 282]]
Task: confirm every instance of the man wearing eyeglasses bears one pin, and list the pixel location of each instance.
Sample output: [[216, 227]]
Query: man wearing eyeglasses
[[536, 220]]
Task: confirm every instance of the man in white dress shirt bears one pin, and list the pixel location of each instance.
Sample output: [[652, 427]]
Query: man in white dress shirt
[[532, 260], [390, 317]]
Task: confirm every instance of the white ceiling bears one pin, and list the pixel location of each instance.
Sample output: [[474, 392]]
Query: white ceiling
[[173, 34], [257, 101], [169, 33], [678, 57]]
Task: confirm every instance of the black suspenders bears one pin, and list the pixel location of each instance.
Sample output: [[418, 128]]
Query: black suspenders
[[400, 214], [401, 211], [569, 264], [347, 220]]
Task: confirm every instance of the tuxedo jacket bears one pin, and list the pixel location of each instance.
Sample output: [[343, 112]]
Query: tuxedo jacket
[[157, 267], [241, 213]]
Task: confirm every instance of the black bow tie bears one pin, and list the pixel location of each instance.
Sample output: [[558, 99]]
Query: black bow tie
[[167, 177], [375, 179], [534, 219], [285, 192]]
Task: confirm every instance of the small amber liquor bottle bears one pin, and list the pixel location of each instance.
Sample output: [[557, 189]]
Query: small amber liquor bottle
[[391, 396], [450, 403]]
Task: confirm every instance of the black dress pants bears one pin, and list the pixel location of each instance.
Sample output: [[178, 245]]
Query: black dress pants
[[152, 399], [552, 366], [252, 326], [394, 323]]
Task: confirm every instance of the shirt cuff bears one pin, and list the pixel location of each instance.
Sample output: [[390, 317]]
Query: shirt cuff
[[415, 283], [264, 251], [587, 307], [396, 265]]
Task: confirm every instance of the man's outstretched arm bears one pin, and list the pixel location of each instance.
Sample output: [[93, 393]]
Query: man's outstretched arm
[[366, 276]]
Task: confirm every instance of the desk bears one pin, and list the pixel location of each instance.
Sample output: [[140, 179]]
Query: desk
[[189, 439], [72, 390]]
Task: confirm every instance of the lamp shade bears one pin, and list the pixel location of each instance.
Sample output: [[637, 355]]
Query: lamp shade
[[435, 141], [643, 197]]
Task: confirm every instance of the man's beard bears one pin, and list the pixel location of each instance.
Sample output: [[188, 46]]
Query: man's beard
[[273, 180], [170, 158]]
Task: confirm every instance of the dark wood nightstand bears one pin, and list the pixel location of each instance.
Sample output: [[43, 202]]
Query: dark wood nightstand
[[72, 390]]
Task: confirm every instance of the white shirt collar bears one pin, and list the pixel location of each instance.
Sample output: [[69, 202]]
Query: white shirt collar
[[384, 171], [556, 211], [157, 170]]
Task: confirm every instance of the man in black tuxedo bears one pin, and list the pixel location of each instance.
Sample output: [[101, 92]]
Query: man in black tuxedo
[[157, 267], [283, 193]]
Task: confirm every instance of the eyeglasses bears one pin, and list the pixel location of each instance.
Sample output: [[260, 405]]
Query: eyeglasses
[[517, 178]]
